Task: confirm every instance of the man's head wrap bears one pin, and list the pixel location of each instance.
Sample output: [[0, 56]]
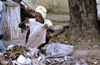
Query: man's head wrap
[[42, 10]]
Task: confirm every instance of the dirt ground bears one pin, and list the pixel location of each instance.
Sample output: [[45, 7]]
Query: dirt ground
[[89, 51]]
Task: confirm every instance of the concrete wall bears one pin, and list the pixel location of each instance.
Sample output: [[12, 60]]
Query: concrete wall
[[53, 6]]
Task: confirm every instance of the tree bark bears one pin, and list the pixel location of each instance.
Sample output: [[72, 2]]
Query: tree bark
[[83, 19], [12, 19]]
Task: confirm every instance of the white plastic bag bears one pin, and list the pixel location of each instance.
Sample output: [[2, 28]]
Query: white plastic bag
[[37, 34], [21, 59], [57, 49]]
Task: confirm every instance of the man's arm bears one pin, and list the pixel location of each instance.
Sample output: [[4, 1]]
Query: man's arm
[[22, 24], [49, 28]]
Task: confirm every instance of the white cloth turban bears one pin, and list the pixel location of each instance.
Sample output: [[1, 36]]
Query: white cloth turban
[[42, 10]]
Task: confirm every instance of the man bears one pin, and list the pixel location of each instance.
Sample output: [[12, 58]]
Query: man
[[40, 14], [2, 16]]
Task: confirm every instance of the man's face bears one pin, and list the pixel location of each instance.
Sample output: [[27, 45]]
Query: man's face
[[39, 17]]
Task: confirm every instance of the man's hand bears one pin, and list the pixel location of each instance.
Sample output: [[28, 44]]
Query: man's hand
[[46, 26], [26, 21]]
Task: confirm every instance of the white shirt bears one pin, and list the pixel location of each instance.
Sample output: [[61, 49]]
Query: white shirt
[[46, 21]]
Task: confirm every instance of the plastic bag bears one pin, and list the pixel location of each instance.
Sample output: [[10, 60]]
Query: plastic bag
[[57, 49]]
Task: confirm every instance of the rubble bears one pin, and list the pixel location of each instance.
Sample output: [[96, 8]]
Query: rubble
[[20, 55]]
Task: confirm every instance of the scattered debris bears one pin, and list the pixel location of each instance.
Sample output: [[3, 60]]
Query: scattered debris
[[79, 39], [20, 55]]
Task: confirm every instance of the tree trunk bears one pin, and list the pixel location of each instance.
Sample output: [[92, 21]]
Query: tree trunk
[[12, 19], [83, 19]]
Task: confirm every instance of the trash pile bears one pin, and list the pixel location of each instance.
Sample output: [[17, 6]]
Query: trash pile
[[54, 55], [20, 55]]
